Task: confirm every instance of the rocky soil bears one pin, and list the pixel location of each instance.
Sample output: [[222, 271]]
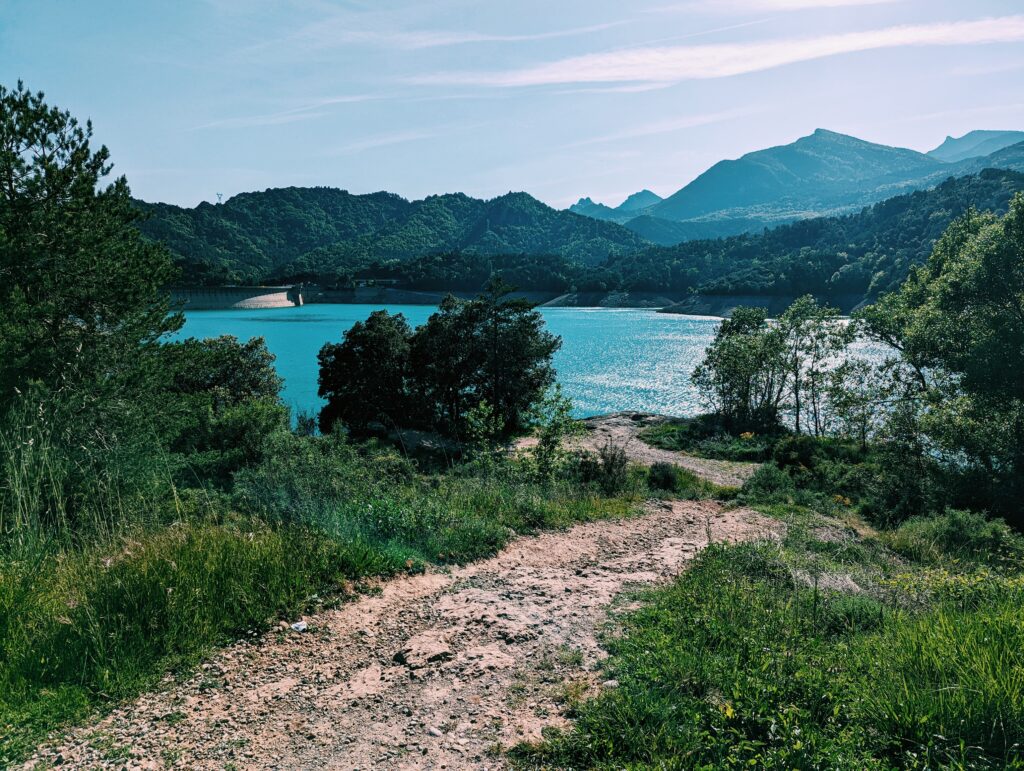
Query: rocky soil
[[435, 671]]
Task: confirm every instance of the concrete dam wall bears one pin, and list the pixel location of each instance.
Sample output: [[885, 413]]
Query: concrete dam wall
[[242, 297]]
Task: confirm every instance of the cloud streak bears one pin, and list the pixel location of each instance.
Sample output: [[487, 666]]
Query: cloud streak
[[381, 140], [665, 127], [303, 112], [674, 64], [413, 40]]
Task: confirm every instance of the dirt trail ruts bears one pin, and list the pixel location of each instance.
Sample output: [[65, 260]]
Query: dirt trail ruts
[[623, 428], [435, 671]]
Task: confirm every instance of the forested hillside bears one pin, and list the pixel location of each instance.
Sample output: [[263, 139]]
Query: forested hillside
[[863, 254], [295, 234]]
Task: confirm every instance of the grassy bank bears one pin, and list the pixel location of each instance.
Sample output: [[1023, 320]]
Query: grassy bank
[[828, 650], [94, 616]]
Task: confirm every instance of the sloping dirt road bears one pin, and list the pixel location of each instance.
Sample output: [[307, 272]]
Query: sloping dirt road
[[435, 671]]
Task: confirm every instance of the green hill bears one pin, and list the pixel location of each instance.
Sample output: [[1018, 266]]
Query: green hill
[[842, 259], [307, 233]]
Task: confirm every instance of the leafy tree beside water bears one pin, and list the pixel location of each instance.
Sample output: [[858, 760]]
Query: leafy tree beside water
[[492, 349], [958, 324], [364, 378]]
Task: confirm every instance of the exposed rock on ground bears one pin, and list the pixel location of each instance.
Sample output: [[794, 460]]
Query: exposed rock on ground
[[435, 671]]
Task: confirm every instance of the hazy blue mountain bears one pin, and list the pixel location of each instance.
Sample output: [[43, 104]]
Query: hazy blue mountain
[[845, 259], [590, 208], [823, 174], [975, 144], [815, 173], [633, 206], [642, 200], [302, 233]]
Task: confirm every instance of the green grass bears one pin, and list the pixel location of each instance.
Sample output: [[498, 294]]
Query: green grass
[[90, 618], [78, 628], [705, 437], [738, 665]]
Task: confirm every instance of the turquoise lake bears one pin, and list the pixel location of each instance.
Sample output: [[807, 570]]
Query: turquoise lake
[[611, 358]]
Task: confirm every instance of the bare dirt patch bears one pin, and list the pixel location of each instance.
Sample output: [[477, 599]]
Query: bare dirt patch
[[436, 671], [623, 428]]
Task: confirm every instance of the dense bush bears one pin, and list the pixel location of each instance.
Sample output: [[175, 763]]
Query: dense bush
[[608, 468], [961, 535]]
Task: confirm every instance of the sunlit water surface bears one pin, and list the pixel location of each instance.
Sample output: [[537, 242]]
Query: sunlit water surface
[[611, 358]]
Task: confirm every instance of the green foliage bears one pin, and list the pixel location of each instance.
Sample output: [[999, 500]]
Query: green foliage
[[679, 482], [957, 324], [553, 424], [321, 234], [744, 372], [769, 484], [219, 402], [737, 665], [81, 300], [815, 339], [491, 350], [365, 378], [608, 468], [964, 536], [706, 436]]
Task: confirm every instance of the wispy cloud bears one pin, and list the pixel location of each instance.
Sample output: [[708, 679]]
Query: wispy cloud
[[308, 111], [381, 140], [677, 63], [417, 39], [665, 127]]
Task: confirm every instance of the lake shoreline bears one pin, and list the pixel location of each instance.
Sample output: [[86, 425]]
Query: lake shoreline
[[696, 305]]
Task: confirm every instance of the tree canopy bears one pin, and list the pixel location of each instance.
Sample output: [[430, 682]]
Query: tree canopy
[[81, 293], [491, 350]]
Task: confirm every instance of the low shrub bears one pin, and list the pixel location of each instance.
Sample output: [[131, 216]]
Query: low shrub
[[769, 484], [961, 535], [608, 469], [664, 476], [707, 436]]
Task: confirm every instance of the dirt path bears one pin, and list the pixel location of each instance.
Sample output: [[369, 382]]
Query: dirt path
[[623, 428], [436, 671]]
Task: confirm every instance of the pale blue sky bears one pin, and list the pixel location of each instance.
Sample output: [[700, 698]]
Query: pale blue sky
[[560, 98]]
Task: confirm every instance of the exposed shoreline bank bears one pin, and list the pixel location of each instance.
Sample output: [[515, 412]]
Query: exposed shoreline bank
[[262, 298]]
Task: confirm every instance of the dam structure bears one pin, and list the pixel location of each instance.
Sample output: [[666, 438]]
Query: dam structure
[[236, 297]]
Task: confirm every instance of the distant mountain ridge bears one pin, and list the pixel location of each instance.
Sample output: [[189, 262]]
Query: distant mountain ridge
[[975, 144], [305, 233], [638, 201], [825, 173]]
